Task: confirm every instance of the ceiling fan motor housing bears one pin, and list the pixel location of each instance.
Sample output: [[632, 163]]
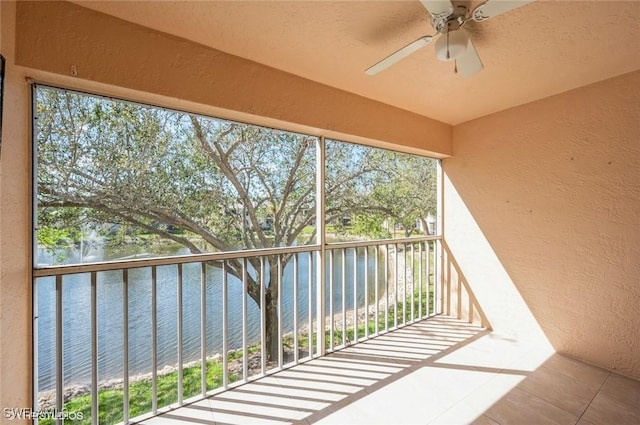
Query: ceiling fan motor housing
[[454, 40], [451, 22]]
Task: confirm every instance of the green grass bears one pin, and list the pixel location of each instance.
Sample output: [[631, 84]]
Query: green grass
[[110, 402], [384, 321]]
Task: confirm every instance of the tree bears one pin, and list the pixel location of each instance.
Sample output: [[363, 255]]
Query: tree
[[412, 180], [207, 184]]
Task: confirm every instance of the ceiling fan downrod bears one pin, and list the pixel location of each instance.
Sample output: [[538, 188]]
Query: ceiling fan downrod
[[448, 52]]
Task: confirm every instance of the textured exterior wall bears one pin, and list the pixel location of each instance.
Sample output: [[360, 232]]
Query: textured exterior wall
[[552, 189], [15, 225], [54, 36]]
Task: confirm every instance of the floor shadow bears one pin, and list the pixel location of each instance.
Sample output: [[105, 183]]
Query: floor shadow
[[313, 390], [457, 371]]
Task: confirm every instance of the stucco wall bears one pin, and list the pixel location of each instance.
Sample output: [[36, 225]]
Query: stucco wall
[[15, 263], [542, 206]]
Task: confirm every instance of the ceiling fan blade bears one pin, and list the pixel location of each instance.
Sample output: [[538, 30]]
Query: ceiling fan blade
[[469, 62], [438, 8], [491, 8], [399, 55]]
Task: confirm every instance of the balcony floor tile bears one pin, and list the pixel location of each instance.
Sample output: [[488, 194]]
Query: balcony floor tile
[[437, 371]]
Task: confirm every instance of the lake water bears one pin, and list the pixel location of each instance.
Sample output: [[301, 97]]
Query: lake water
[[77, 315]]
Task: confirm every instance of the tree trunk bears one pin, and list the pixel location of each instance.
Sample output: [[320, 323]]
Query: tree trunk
[[271, 323], [271, 314]]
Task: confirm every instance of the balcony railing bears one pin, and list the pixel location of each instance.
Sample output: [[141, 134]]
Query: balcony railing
[[124, 339]]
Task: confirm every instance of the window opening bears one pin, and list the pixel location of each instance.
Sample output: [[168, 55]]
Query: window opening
[[174, 250]]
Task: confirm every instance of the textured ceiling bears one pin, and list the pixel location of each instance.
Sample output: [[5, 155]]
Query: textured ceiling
[[538, 50]]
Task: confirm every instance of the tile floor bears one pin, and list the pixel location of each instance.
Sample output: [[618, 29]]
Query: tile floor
[[438, 371]]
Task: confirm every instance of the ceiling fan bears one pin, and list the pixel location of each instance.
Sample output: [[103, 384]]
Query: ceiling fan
[[453, 42]]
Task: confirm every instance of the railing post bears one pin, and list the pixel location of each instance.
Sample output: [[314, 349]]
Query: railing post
[[386, 287], [59, 349], [203, 328], [366, 292], [94, 348], [331, 312], [438, 260], [396, 281], [280, 348], [413, 283], [245, 348], [320, 255], [355, 295], [376, 290], [179, 333], [154, 340], [263, 321], [310, 306], [420, 280], [295, 308], [125, 346], [225, 331], [406, 276], [35, 405], [344, 296]]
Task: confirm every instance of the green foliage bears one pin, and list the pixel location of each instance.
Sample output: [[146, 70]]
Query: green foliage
[[370, 225], [384, 187], [409, 190], [53, 238], [54, 241]]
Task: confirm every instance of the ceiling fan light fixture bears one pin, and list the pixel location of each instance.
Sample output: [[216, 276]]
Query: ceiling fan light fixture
[[451, 44]]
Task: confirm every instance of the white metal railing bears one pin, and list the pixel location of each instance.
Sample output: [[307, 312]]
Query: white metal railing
[[369, 288]]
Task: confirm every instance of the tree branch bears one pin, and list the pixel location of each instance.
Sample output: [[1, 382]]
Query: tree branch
[[222, 162]]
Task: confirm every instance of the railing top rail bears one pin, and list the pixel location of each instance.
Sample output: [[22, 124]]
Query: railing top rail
[[378, 242], [44, 271]]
